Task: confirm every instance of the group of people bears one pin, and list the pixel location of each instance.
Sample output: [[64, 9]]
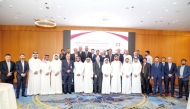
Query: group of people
[[103, 72]]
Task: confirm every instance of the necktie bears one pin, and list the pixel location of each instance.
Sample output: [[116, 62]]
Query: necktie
[[22, 66], [169, 66], [86, 53], [8, 64], [157, 64], [143, 67], [68, 63], [99, 65]]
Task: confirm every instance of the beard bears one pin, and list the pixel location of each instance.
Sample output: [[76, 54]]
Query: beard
[[35, 57], [183, 63]]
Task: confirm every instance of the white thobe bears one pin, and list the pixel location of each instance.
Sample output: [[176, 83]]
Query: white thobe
[[128, 56], [106, 70], [116, 77], [136, 81], [78, 80], [126, 82], [88, 74], [34, 79], [56, 81], [149, 59], [45, 79]]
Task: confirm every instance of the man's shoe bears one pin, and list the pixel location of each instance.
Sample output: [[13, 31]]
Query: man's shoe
[[70, 93], [179, 97], [187, 98], [17, 97], [24, 95], [172, 96], [65, 92]]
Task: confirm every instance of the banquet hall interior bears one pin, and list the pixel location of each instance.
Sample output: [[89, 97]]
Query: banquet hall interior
[[160, 26]]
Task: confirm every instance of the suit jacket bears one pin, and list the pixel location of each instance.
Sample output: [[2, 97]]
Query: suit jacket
[[186, 72], [4, 70], [140, 57], [112, 58], [62, 56], [96, 69], [65, 67], [94, 58], [19, 68], [88, 55], [120, 57], [73, 56], [172, 70], [80, 54], [157, 71], [147, 70]]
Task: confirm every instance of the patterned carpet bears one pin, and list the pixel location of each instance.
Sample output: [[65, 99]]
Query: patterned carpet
[[100, 101]]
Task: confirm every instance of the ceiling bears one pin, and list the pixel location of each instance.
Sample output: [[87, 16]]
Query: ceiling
[[142, 14]]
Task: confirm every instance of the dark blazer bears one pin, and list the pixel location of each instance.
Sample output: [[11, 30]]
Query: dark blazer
[[171, 71], [147, 70], [4, 70], [186, 72], [94, 58], [80, 54], [65, 67], [157, 71], [140, 57], [88, 55], [62, 56], [112, 58], [96, 69], [73, 57], [19, 68], [120, 57]]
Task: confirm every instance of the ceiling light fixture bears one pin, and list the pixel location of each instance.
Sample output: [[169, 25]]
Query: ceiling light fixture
[[148, 12], [40, 8], [59, 6], [174, 3], [16, 17], [166, 10]]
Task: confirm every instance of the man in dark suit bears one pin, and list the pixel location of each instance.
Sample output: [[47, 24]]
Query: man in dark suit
[[97, 55], [7, 70], [157, 73], [169, 75], [183, 73], [97, 69], [86, 54], [67, 73], [145, 76], [139, 56], [80, 52], [22, 68], [75, 54], [62, 54], [110, 56], [120, 56]]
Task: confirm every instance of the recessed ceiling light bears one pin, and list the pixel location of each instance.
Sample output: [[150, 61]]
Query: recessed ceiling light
[[46, 3], [40, 8], [59, 6], [142, 17], [26, 12], [59, 16], [166, 10], [148, 12], [16, 17], [10, 6], [161, 17], [174, 3], [163, 7]]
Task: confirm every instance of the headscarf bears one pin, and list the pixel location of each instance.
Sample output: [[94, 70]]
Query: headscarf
[[53, 59], [105, 60]]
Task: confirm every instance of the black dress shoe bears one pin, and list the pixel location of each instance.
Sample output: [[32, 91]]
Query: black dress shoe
[[179, 97], [187, 98], [24, 95], [70, 93], [17, 97], [65, 92]]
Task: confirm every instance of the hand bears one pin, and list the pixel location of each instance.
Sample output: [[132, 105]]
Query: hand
[[152, 77], [135, 75], [162, 77], [68, 71], [47, 73], [9, 74], [56, 73], [78, 74], [23, 74], [127, 76], [111, 76], [180, 76], [148, 77], [170, 75], [95, 76], [36, 72], [40, 70]]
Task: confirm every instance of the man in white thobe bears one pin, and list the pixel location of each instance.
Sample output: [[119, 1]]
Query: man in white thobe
[[56, 77], [116, 75], [45, 76], [126, 55], [136, 78], [106, 71], [34, 75], [78, 75], [88, 76], [126, 77]]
